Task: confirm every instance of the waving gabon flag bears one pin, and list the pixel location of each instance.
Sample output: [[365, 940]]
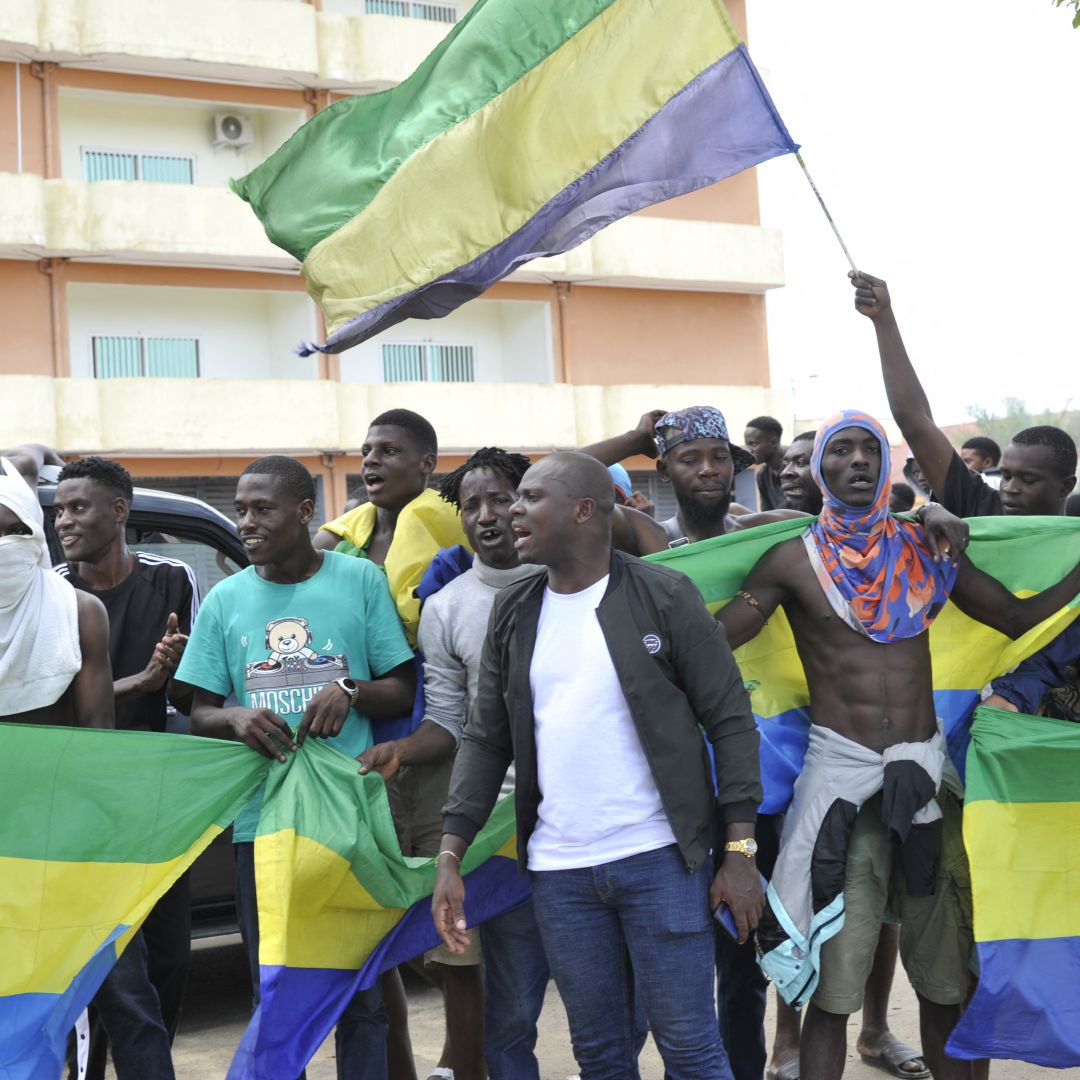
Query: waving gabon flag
[[533, 125]]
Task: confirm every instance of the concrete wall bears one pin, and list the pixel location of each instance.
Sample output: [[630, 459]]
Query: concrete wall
[[242, 335], [206, 416], [619, 335], [511, 340], [164, 126]]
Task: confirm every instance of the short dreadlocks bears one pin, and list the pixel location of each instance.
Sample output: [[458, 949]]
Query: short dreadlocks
[[512, 466]]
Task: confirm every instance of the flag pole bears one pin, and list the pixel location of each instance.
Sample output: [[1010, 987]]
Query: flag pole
[[825, 210]]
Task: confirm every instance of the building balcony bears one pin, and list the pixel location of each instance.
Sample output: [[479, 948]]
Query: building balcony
[[660, 253], [132, 222], [269, 42], [123, 416], [193, 225]]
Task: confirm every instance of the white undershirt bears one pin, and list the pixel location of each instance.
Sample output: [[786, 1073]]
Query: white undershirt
[[598, 799]]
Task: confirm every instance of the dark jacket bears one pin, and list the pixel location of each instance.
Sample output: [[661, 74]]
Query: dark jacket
[[676, 671]]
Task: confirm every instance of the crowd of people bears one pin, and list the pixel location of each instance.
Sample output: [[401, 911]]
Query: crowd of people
[[499, 633]]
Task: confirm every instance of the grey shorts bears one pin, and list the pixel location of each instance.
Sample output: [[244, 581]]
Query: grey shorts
[[936, 937]]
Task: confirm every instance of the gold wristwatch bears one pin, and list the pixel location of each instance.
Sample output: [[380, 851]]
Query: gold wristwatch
[[746, 847]]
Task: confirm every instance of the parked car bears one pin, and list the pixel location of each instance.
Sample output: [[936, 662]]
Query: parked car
[[193, 531]]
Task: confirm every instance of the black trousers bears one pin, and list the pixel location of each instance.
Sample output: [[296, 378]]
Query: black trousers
[[167, 933], [740, 983]]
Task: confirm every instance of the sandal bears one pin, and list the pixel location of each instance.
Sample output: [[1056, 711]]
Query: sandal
[[892, 1056], [788, 1071]]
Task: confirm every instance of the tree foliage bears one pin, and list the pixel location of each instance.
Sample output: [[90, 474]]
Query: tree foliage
[[1017, 417], [1075, 5]]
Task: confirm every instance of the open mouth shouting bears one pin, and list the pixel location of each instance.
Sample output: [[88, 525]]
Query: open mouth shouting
[[492, 537]]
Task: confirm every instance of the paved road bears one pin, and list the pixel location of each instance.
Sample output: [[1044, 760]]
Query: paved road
[[217, 1008]]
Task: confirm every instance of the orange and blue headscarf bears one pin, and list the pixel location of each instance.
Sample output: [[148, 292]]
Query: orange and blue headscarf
[[876, 570]]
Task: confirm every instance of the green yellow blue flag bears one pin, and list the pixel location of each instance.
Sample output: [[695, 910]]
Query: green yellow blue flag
[[96, 825], [339, 904], [94, 828], [1022, 834], [1026, 555], [533, 124]]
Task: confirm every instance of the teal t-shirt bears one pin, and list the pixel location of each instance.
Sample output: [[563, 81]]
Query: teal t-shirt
[[276, 646]]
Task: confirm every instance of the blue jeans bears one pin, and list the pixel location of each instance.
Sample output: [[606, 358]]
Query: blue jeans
[[642, 921], [360, 1035], [515, 978], [130, 1011]]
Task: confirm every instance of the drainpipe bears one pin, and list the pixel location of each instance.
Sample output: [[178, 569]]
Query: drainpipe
[[562, 300], [18, 116], [43, 70], [56, 300]]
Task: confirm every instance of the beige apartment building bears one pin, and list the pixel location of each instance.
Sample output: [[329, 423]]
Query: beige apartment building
[[146, 315]]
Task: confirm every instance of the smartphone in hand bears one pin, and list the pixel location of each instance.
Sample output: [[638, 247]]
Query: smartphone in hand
[[723, 915]]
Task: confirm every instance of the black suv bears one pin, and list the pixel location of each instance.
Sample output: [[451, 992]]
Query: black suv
[[194, 532]]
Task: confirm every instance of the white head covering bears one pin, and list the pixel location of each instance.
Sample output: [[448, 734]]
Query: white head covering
[[39, 615]]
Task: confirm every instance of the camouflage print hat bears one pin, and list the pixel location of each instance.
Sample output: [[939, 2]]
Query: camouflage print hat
[[698, 422]]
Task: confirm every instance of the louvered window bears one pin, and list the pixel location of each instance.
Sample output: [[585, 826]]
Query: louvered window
[[413, 9], [427, 362], [133, 165], [134, 356]]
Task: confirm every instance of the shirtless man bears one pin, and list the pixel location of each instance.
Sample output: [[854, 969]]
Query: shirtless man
[[857, 582], [54, 642], [700, 462]]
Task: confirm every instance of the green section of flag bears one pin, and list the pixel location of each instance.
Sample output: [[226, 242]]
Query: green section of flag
[[718, 567], [1003, 546], [85, 795], [1015, 758], [332, 168], [319, 794]]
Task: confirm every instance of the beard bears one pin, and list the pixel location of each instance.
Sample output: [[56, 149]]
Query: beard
[[703, 515]]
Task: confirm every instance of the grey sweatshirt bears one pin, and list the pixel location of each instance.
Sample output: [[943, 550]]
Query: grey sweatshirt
[[453, 625]]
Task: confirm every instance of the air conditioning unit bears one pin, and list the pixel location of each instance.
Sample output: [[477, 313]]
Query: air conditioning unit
[[232, 129]]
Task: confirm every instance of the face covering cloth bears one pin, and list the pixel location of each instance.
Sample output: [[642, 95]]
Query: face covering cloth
[[39, 618], [875, 569]]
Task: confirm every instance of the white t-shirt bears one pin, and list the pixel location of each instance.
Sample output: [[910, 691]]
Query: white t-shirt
[[598, 799]]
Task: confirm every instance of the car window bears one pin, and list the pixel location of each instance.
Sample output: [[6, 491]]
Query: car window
[[209, 564]]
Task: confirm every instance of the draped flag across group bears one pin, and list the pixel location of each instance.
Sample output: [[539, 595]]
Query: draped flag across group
[[95, 826], [966, 655], [531, 126], [1022, 834]]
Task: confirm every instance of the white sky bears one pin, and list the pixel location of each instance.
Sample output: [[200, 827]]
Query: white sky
[[943, 136]]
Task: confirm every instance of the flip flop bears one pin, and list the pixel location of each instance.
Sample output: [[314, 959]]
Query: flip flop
[[788, 1071], [894, 1055]]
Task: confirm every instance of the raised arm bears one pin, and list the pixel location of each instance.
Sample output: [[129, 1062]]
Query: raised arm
[[636, 533], [986, 600], [907, 399], [638, 440], [29, 458], [92, 687]]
